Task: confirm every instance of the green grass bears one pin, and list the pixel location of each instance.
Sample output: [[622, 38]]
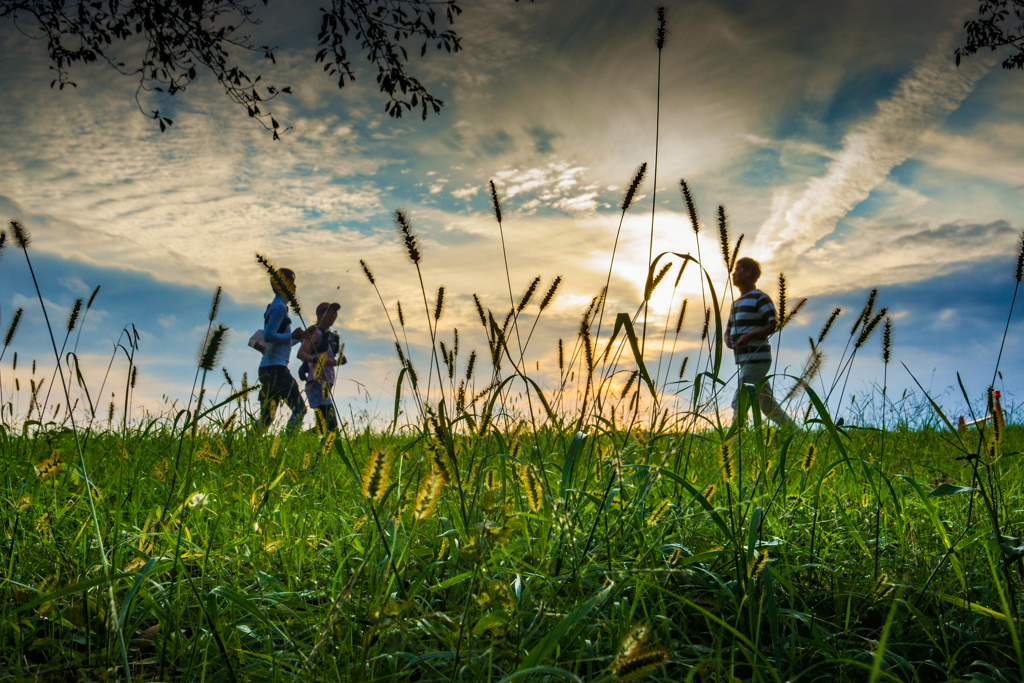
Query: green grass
[[195, 547], [276, 547]]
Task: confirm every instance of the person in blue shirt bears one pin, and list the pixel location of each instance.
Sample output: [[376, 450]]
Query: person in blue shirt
[[276, 382]]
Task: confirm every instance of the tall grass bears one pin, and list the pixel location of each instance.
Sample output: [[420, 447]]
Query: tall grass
[[613, 527]]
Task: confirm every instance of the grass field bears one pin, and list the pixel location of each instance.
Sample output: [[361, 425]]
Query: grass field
[[611, 528]]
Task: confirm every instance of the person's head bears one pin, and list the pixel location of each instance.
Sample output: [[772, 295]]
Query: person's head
[[288, 276], [746, 272], [326, 315]]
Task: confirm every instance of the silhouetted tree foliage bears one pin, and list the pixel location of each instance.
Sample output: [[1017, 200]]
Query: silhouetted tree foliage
[[1000, 24], [183, 38]]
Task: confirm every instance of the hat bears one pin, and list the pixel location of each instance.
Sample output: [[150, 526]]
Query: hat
[[324, 307]]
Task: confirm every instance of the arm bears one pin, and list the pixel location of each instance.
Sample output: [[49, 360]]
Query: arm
[[756, 335], [274, 319], [305, 351]]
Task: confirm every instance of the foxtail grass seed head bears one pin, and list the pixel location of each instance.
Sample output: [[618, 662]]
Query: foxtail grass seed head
[[634, 185], [660, 36], [376, 475], [135, 376], [404, 227], [659, 511], [495, 202], [757, 564], [401, 356], [12, 327], [588, 346], [735, 253], [865, 313], [215, 304], [657, 279], [792, 314], [367, 272], [470, 365], [639, 664], [227, 378], [211, 353], [550, 294], [20, 233], [14, 362], [531, 289], [634, 640], [1018, 270], [887, 341], [726, 461], [723, 235], [682, 366], [682, 315], [92, 297], [708, 493], [110, 412], [810, 456], [561, 356], [629, 384], [439, 303], [783, 301], [883, 587], [480, 311], [869, 327], [828, 324], [428, 495], [691, 206], [531, 486], [707, 324], [76, 310], [437, 457], [401, 314]]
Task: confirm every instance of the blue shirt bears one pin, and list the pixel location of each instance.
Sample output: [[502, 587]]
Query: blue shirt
[[277, 334]]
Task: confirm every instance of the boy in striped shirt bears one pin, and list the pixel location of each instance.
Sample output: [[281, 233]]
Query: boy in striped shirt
[[751, 321]]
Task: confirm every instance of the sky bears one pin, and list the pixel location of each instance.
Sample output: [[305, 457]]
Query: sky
[[843, 142]]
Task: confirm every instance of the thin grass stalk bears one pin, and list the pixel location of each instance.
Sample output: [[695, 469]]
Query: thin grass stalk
[[660, 43], [22, 239], [1018, 275]]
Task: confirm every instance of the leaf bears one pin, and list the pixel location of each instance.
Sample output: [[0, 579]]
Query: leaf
[[546, 646], [946, 489]]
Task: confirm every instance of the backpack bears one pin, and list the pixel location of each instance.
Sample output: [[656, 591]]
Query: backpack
[[329, 343]]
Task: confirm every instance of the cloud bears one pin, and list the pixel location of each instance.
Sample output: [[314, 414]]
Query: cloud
[[871, 149]]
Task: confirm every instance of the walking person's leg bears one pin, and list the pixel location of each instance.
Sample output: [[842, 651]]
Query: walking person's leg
[[267, 396], [293, 397]]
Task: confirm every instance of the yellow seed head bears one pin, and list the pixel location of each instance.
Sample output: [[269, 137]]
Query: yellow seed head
[[437, 456], [676, 554], [634, 640], [725, 461], [639, 664], [659, 511], [531, 485], [491, 480], [758, 564], [810, 455], [376, 475], [428, 495], [708, 492], [49, 467]]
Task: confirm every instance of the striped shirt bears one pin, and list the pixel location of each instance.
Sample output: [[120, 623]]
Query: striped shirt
[[752, 311]]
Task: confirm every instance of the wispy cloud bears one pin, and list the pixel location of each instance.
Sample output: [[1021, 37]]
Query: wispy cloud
[[932, 90]]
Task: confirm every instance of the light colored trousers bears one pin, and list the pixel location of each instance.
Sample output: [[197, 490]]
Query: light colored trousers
[[752, 373]]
